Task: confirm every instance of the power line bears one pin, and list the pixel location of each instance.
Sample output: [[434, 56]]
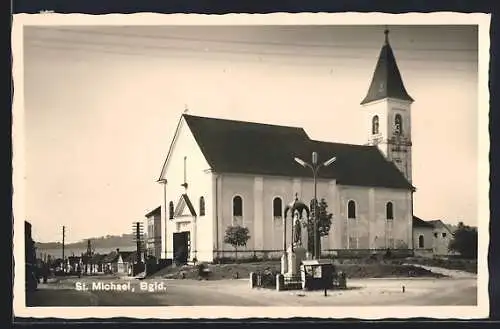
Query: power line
[[257, 59], [245, 42], [58, 41]]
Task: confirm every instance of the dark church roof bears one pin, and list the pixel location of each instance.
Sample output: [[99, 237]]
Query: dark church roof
[[261, 149], [386, 81]]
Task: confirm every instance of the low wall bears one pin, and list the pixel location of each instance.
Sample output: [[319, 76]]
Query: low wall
[[246, 255], [249, 255], [427, 253]]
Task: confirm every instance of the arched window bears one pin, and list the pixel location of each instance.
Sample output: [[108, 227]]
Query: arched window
[[398, 124], [171, 210], [351, 209], [202, 206], [389, 211], [237, 206], [421, 241], [277, 207], [375, 125]]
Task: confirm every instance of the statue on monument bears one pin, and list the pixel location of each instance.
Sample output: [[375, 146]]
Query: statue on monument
[[298, 233]]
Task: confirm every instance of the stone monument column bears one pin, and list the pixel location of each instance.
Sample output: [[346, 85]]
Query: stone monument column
[[295, 252]]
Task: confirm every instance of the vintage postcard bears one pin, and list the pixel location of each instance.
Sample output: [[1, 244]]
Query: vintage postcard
[[264, 166]]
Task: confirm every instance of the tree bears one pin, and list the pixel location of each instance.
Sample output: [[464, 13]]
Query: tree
[[237, 236], [464, 241], [324, 225]]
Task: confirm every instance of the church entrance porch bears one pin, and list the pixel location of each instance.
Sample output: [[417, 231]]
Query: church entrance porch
[[182, 247]]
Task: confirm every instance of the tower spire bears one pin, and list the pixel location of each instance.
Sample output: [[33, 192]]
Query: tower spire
[[386, 81]]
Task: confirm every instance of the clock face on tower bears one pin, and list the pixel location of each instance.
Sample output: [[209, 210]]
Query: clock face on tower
[[381, 87]]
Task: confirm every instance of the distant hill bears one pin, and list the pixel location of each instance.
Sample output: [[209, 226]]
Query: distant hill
[[103, 242]]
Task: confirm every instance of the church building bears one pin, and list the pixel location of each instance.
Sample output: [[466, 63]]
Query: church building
[[222, 172]]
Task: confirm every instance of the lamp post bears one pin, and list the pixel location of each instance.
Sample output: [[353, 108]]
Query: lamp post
[[314, 166], [164, 182]]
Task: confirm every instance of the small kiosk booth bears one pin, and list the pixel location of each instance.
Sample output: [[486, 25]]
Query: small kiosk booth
[[318, 275]]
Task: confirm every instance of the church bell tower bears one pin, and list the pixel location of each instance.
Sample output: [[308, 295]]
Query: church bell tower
[[387, 109]]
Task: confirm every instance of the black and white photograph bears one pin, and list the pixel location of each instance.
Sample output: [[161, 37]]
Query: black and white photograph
[[274, 163]]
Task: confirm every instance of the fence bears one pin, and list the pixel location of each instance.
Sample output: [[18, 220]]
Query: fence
[[274, 280], [293, 282], [263, 280]]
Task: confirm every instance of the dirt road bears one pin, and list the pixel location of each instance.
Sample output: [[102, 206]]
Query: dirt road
[[362, 292]]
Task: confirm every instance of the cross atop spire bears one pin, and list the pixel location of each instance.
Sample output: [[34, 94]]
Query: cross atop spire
[[386, 32]]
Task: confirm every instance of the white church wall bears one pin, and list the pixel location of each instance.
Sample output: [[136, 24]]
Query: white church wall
[[355, 231], [397, 231], [231, 186], [273, 227], [369, 229], [199, 184], [258, 193]]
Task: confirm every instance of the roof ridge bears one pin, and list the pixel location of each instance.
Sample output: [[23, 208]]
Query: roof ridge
[[346, 144], [157, 209], [242, 121]]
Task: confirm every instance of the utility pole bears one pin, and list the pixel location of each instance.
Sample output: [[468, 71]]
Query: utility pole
[[63, 237], [138, 233], [165, 214], [89, 248], [315, 166]]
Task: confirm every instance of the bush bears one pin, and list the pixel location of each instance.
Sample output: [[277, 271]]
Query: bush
[[464, 241]]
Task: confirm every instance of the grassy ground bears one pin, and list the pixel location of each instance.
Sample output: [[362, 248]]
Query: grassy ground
[[353, 269]]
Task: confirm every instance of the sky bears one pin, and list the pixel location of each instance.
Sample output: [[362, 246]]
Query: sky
[[102, 104]]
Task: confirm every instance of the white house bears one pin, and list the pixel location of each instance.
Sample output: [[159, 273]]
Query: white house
[[423, 237], [222, 172], [153, 240], [442, 235], [431, 238]]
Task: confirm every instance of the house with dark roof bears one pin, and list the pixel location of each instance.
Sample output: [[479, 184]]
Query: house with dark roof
[[432, 237], [153, 239], [221, 172], [118, 261]]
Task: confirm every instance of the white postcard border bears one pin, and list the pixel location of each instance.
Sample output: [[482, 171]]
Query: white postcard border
[[213, 312]]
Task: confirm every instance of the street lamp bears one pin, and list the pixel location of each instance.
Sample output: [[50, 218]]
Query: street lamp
[[315, 168], [164, 182]]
